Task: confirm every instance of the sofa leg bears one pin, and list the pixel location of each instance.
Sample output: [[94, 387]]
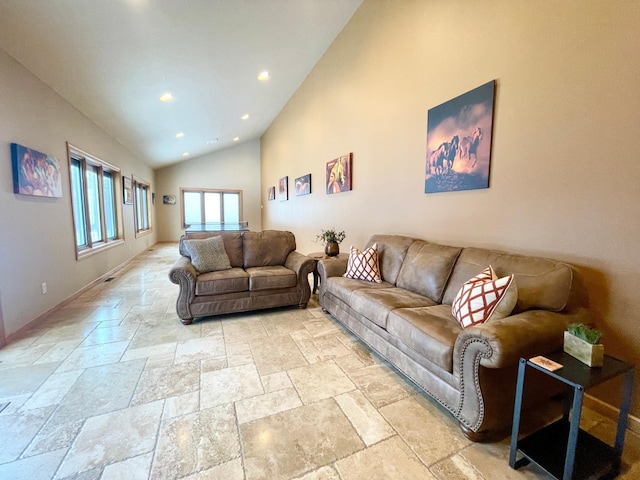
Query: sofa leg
[[302, 306], [186, 321], [473, 436]]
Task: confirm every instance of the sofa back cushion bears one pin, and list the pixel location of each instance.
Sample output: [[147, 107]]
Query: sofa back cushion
[[232, 244], [426, 269], [391, 252], [542, 283], [267, 248]]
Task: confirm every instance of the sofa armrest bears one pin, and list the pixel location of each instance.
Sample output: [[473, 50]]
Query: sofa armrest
[[184, 274], [504, 341], [303, 266], [331, 267]]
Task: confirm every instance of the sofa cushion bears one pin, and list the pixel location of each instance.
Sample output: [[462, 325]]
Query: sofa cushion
[[343, 288], [429, 331], [484, 297], [364, 265], [267, 248], [208, 255], [268, 278], [232, 245], [224, 281], [426, 268], [542, 283], [391, 252], [376, 304]]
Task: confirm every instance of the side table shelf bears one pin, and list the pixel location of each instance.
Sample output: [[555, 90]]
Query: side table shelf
[[562, 449]]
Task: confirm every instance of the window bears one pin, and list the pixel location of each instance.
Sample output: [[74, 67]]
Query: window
[[201, 206], [142, 200], [97, 218]]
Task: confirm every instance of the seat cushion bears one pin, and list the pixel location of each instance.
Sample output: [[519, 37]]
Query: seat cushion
[[342, 288], [225, 281], [268, 278], [376, 304], [429, 331]]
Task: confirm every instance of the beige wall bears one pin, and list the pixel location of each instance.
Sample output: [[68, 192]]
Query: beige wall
[[236, 168], [565, 173], [36, 233]]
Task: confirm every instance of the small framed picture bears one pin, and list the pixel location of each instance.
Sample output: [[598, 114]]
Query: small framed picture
[[303, 185], [283, 189], [127, 193], [271, 193], [169, 199]]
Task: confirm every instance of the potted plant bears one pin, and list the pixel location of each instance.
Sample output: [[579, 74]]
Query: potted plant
[[581, 342], [332, 240]]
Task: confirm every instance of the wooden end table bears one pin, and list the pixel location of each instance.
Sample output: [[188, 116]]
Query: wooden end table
[[562, 449], [316, 256]]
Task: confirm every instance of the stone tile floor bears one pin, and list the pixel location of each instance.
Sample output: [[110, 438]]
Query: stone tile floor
[[113, 386]]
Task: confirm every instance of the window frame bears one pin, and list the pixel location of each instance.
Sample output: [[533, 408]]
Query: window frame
[[136, 185], [88, 162], [202, 191]]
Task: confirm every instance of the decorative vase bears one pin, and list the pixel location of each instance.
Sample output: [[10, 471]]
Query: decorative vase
[[592, 355], [332, 249]]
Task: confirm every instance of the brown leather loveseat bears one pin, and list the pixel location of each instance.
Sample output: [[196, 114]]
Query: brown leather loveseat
[[264, 270]]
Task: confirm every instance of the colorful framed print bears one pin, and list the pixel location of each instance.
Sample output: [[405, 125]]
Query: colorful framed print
[[283, 189], [339, 174], [459, 142], [35, 173], [303, 185]]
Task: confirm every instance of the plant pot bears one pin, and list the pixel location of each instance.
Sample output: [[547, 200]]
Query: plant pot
[[592, 355], [332, 249]]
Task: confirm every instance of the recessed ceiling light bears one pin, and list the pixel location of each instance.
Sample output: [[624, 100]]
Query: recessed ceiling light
[[185, 154], [264, 76], [180, 135], [167, 97], [236, 139], [245, 116], [212, 141]]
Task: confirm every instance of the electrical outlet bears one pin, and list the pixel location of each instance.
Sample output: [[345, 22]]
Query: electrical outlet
[[44, 288]]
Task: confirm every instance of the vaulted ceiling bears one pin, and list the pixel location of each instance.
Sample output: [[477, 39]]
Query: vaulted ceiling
[[114, 59]]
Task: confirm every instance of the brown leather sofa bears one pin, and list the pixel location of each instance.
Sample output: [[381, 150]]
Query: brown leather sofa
[[407, 320], [266, 272]]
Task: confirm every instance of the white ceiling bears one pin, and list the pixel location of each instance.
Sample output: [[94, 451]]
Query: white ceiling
[[113, 59]]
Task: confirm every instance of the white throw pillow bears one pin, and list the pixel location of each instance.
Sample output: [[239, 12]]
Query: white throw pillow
[[208, 255], [364, 265], [485, 297]]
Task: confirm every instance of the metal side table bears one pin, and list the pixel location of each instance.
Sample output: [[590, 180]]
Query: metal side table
[[562, 449]]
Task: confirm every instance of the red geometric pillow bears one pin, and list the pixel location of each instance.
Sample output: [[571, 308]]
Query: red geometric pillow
[[485, 297], [364, 265]]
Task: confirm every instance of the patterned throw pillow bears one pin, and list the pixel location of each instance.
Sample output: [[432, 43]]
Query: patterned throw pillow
[[208, 255], [485, 297], [364, 265]]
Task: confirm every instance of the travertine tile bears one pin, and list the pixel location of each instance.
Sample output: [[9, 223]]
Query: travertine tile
[[369, 424], [281, 322], [391, 458], [53, 436], [231, 470], [319, 349], [196, 442], [113, 437], [163, 382], [181, 405], [200, 349], [38, 467], [99, 390], [104, 334], [323, 473], [455, 467], [276, 354], [276, 381], [423, 429], [93, 356], [59, 351], [22, 427], [228, 385], [297, 441], [492, 461], [20, 380], [53, 390], [381, 385], [136, 468], [320, 380], [238, 353], [242, 329], [261, 406]]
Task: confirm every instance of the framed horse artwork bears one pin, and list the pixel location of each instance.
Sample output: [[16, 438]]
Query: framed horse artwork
[[459, 142]]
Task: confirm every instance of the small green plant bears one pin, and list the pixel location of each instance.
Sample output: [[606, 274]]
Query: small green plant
[[585, 332], [330, 236]]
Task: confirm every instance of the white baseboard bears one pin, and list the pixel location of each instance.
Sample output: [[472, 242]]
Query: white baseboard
[[610, 412]]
